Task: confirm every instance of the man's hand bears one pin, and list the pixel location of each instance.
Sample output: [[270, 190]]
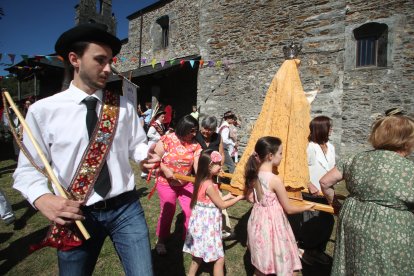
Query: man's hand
[[58, 209]]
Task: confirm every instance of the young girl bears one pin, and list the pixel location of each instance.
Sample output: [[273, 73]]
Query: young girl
[[270, 239], [203, 239]]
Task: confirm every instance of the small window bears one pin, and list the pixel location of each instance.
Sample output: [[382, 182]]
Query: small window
[[99, 7], [164, 22], [371, 45]]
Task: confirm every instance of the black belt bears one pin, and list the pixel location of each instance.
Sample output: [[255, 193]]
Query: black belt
[[114, 202]]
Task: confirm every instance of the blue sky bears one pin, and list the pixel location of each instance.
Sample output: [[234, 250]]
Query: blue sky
[[31, 27]]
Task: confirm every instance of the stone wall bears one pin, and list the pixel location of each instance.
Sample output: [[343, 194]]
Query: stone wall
[[251, 34], [183, 34]]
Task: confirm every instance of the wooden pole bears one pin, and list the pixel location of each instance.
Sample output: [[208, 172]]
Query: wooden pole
[[234, 190], [45, 162]]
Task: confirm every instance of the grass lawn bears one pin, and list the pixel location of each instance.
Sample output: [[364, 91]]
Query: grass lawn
[[30, 227]]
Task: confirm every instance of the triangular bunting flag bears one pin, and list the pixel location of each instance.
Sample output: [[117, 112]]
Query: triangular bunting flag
[[172, 61], [25, 57], [218, 63], [210, 63], [192, 63], [201, 63], [143, 60], [123, 59], [182, 62], [114, 59], [49, 58], [153, 62], [162, 63]]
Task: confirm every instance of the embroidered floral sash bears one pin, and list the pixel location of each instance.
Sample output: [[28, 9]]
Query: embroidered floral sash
[[67, 237]]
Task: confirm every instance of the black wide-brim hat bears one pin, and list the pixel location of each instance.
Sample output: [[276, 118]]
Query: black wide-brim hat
[[159, 112], [89, 32]]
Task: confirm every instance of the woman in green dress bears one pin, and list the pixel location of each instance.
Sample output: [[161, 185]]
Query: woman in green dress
[[375, 233]]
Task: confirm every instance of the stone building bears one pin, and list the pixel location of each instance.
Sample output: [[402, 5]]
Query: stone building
[[97, 11], [359, 55]]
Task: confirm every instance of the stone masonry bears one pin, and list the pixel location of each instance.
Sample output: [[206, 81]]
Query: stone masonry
[[250, 34]]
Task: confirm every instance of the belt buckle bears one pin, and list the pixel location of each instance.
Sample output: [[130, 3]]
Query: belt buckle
[[101, 205]]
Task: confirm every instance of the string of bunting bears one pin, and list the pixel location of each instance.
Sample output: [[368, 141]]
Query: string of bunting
[[12, 58], [153, 62]]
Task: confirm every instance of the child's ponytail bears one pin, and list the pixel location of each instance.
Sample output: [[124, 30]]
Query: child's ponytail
[[251, 170], [263, 147]]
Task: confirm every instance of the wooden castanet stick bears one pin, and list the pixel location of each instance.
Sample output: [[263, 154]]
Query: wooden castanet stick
[[318, 206], [236, 191], [45, 162], [304, 190]]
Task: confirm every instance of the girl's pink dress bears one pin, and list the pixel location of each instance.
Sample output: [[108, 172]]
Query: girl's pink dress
[[204, 230], [271, 241]]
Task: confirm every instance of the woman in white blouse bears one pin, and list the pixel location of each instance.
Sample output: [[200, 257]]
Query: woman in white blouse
[[313, 229], [321, 153]]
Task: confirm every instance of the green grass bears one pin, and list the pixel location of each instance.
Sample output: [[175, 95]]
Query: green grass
[[30, 227]]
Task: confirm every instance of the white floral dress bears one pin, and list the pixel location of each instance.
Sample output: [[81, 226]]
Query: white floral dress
[[203, 238]]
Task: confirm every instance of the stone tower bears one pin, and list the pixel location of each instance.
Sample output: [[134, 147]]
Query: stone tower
[[99, 11]]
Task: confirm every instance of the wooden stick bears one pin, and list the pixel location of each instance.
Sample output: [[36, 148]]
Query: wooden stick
[[236, 191], [45, 162], [304, 190]]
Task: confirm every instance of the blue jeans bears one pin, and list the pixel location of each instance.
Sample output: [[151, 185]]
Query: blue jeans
[[127, 228]]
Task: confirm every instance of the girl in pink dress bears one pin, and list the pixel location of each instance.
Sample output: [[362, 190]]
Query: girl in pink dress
[[203, 239], [271, 241]]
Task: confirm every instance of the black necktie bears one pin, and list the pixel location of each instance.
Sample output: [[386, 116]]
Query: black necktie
[[103, 183]]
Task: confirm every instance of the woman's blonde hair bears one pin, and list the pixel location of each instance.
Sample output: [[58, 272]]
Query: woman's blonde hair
[[394, 133]]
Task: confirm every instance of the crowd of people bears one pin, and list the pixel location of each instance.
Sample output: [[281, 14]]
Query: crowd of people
[[375, 223]]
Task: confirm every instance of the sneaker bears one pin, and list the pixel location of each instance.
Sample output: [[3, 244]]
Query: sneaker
[[9, 220], [311, 257]]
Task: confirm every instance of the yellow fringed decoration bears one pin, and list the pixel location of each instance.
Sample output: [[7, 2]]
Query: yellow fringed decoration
[[285, 114]]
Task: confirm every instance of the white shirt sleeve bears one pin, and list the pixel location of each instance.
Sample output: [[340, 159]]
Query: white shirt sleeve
[[225, 134], [152, 133], [29, 181], [138, 145]]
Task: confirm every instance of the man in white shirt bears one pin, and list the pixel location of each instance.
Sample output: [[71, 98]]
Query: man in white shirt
[[59, 124], [228, 143]]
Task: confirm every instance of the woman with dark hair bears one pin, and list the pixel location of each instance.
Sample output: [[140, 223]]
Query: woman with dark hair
[[376, 222], [313, 229], [179, 153]]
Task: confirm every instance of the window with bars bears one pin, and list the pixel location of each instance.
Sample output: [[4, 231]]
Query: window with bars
[[164, 22], [371, 45]]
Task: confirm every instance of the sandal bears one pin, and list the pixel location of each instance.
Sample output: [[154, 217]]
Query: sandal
[[160, 249]]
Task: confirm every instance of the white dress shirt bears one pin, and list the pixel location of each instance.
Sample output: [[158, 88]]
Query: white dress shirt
[[153, 135], [319, 163], [228, 143], [58, 124]]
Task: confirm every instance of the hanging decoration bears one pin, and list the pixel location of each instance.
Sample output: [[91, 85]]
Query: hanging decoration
[[122, 59]]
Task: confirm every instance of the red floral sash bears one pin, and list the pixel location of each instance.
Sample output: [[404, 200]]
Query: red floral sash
[[158, 128], [67, 237]]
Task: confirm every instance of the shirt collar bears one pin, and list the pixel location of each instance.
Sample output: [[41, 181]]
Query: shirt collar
[[79, 95]]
